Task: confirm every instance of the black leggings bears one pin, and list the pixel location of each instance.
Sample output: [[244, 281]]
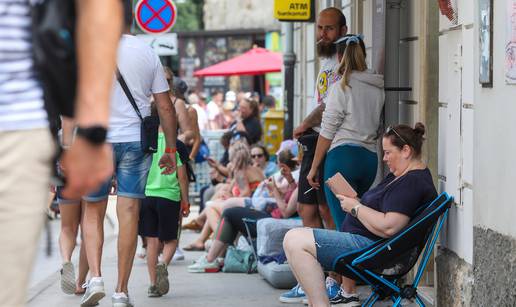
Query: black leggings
[[231, 223]]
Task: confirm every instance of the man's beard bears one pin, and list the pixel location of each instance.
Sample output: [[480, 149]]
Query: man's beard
[[326, 49]]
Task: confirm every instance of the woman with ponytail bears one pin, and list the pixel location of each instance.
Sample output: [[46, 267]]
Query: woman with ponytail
[[350, 124]]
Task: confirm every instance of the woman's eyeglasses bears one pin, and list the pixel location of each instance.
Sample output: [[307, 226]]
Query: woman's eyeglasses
[[257, 156], [389, 129]]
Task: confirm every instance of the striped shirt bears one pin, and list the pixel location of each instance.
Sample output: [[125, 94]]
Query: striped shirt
[[21, 96]]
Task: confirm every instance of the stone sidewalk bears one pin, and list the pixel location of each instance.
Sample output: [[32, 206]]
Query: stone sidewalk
[[187, 289]]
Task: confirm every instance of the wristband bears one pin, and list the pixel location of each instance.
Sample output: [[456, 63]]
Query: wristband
[[170, 150]]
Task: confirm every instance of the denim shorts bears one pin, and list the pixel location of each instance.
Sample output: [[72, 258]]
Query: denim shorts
[[131, 170], [59, 192], [65, 201], [331, 245]]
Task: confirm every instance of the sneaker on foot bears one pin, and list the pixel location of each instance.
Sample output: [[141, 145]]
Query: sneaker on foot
[[333, 290], [94, 292], [162, 283], [153, 291], [120, 299], [68, 278], [347, 300], [178, 255], [142, 252], [293, 296], [203, 266]]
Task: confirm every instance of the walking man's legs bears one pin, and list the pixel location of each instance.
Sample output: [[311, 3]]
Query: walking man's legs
[[128, 210], [93, 228]]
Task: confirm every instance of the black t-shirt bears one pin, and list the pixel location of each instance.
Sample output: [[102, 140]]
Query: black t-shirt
[[253, 127], [405, 195]]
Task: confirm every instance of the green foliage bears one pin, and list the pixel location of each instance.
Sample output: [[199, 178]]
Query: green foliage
[[189, 16]]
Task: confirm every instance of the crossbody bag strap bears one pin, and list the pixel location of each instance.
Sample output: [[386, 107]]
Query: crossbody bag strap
[[128, 93]]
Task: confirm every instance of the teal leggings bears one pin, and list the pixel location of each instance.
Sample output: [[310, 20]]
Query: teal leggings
[[358, 165]]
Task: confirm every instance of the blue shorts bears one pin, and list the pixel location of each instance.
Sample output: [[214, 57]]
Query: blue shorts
[[59, 192], [131, 170], [65, 201], [331, 245]]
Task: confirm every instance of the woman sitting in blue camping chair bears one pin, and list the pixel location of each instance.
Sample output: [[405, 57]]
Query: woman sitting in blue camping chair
[[381, 213]]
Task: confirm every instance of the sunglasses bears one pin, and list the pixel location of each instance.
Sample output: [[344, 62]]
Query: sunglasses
[[390, 128], [257, 156]]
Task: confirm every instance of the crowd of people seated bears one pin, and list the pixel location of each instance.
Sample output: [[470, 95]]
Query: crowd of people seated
[[246, 185], [250, 183]]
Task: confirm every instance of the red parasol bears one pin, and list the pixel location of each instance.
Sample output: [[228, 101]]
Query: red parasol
[[256, 61]]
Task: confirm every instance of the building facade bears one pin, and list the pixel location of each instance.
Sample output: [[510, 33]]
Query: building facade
[[434, 57]]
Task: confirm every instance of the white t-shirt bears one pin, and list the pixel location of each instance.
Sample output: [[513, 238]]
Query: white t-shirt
[[202, 117], [144, 75], [213, 110], [325, 79]]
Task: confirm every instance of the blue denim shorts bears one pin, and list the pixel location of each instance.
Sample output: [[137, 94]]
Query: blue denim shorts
[[331, 245], [65, 201], [131, 170], [59, 192]]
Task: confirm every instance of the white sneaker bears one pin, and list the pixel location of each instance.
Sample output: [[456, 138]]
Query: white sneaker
[[203, 266], [178, 255], [68, 278], [142, 252], [120, 299], [94, 292]]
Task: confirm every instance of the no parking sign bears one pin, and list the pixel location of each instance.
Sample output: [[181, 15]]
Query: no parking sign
[[155, 16]]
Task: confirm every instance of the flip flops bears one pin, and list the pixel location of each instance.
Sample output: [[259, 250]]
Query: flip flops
[[193, 247]]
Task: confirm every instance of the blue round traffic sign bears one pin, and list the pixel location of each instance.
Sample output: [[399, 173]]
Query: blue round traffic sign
[[155, 16]]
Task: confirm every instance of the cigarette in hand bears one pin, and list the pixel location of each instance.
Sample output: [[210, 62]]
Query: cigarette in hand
[[307, 191]]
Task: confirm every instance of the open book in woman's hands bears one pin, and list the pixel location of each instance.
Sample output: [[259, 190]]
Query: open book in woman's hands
[[339, 186]]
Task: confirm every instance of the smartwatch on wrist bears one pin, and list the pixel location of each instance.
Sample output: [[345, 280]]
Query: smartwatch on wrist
[[95, 135]]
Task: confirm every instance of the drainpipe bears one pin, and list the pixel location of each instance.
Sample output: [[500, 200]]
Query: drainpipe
[[289, 61], [392, 51]]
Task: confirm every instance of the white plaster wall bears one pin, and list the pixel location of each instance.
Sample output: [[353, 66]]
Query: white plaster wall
[[241, 14], [495, 141], [456, 128]]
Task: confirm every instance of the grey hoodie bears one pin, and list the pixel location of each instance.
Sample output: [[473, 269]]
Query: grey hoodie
[[353, 116]]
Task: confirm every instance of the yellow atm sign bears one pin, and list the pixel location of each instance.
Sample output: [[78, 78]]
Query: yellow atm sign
[[294, 10]]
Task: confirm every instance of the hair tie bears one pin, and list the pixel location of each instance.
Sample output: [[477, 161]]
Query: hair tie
[[354, 39]]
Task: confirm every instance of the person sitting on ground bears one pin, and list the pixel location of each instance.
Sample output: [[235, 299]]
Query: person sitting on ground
[[380, 213], [230, 224], [260, 157], [245, 179], [218, 174]]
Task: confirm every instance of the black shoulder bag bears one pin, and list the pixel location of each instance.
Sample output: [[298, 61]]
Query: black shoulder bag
[[149, 124]]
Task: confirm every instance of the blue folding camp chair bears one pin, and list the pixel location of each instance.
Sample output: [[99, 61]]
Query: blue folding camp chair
[[383, 264]]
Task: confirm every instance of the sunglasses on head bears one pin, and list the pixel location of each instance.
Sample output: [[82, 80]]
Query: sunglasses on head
[[257, 156], [390, 128]]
